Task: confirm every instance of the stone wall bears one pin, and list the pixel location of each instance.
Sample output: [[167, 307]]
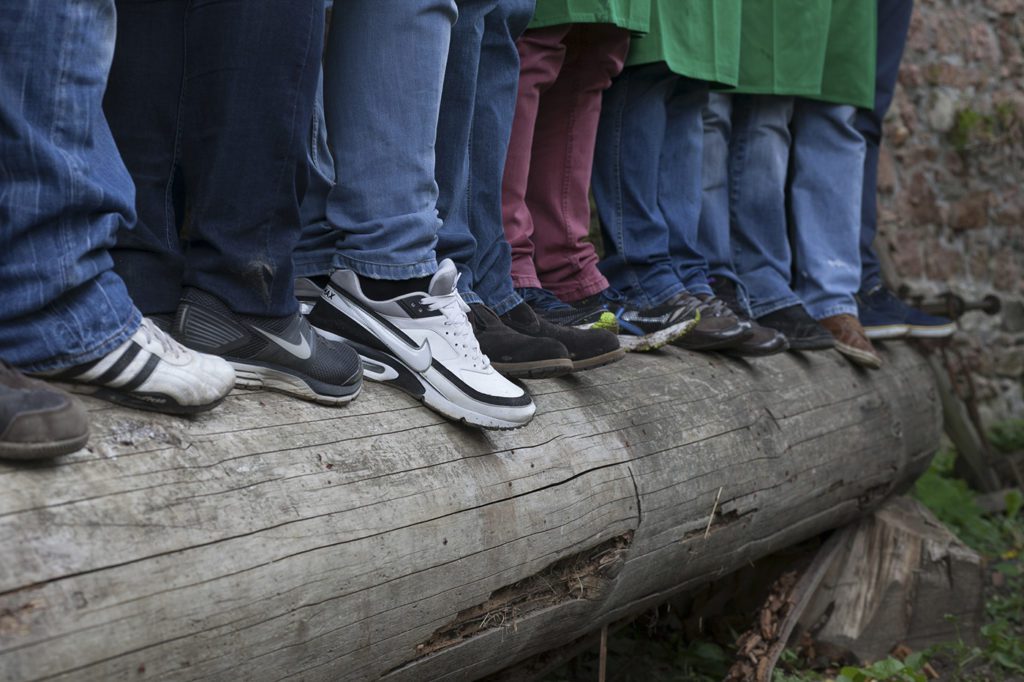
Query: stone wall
[[951, 201]]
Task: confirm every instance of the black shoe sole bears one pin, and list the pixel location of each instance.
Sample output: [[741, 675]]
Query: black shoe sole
[[812, 344], [759, 351], [703, 343]]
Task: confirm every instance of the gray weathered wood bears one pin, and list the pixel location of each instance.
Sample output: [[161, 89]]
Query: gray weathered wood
[[898, 576], [277, 540]]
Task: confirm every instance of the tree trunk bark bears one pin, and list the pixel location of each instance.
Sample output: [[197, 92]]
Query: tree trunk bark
[[273, 539]]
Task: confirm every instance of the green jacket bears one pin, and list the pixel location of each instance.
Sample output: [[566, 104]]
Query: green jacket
[[820, 49], [849, 74], [631, 14], [696, 38]]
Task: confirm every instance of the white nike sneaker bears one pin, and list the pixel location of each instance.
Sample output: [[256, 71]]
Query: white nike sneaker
[[152, 371], [423, 344]]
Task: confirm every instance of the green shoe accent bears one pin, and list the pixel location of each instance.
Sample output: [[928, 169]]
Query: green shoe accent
[[607, 321]]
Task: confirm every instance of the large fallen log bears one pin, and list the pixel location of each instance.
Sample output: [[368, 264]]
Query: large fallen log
[[276, 540]]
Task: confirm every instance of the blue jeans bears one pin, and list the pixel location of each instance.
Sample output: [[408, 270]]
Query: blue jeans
[[477, 107], [210, 102], [383, 73], [826, 175], [647, 184], [64, 191], [759, 227], [893, 24], [713, 230]]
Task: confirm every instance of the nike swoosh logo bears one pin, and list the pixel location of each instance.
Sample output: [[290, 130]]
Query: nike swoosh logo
[[301, 350], [417, 358]]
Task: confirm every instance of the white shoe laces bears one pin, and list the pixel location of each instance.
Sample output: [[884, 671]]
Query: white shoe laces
[[151, 333], [454, 310]]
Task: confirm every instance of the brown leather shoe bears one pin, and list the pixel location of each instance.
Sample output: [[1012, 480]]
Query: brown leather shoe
[[851, 340]]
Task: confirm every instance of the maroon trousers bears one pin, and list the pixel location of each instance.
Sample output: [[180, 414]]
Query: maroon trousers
[[545, 193]]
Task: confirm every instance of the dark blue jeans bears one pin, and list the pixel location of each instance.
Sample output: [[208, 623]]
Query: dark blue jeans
[[64, 192], [478, 103], [893, 24], [647, 184], [210, 103]]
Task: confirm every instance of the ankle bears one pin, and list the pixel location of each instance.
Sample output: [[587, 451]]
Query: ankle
[[386, 289]]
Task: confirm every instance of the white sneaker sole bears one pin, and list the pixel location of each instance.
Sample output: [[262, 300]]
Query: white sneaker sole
[[257, 377], [655, 340], [889, 331], [940, 332], [513, 418], [466, 410]]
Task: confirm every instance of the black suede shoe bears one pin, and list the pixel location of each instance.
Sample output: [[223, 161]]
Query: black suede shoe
[[588, 348], [517, 355], [801, 330], [717, 329], [763, 340]]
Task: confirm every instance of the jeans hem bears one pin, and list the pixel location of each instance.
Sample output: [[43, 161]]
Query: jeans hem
[[869, 283], [506, 304], [424, 268], [833, 310], [663, 296], [102, 349], [775, 306]]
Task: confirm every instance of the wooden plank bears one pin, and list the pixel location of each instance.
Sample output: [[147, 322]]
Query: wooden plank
[[278, 540]]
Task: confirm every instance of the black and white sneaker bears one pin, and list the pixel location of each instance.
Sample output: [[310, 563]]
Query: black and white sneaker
[[423, 344], [281, 354], [151, 371]]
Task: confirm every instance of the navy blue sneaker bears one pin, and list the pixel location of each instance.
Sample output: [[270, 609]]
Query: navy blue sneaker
[[588, 314], [884, 316]]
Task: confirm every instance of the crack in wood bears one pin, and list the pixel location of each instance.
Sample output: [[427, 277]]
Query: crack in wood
[[584, 575]]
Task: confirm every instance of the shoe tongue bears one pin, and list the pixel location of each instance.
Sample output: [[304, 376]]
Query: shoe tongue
[[443, 281]]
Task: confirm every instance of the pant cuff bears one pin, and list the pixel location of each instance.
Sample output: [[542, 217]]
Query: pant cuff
[[100, 350], [525, 282], [506, 304], [580, 289], [762, 309], [819, 313], [425, 268]]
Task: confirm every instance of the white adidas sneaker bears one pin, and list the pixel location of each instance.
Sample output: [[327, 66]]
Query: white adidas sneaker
[[423, 344], [151, 371]]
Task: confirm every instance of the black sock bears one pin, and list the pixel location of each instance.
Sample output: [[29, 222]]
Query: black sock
[[320, 280], [384, 289]]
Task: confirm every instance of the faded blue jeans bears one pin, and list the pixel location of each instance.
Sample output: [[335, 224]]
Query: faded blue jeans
[[474, 127], [796, 243], [713, 231], [383, 73], [647, 184], [825, 185], [64, 191]]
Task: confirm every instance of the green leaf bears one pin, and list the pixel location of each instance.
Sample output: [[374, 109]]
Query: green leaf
[[1014, 502]]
